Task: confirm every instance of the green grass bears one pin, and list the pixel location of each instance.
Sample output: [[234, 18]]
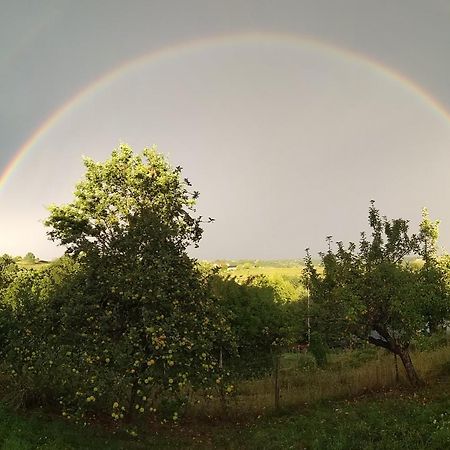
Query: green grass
[[33, 265], [390, 421], [394, 419], [36, 432], [284, 272], [349, 374], [39, 432]]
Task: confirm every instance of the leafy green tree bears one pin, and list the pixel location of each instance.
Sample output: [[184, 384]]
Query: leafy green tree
[[368, 291], [138, 317], [260, 320], [29, 258]]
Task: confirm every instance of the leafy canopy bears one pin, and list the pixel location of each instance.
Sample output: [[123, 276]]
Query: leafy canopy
[[137, 314], [116, 196], [369, 292]]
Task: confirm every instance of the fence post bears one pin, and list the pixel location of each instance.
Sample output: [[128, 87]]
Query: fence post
[[277, 380], [397, 378]]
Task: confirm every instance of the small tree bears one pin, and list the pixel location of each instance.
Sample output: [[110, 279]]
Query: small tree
[[29, 258], [262, 322], [371, 293]]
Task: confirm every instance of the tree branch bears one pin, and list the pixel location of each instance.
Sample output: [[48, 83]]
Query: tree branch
[[380, 343]]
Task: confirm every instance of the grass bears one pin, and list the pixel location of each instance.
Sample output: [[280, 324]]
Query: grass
[[40, 265], [348, 374], [35, 432], [393, 419], [285, 272], [354, 403]]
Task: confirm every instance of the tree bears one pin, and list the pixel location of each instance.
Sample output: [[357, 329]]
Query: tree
[[118, 197], [369, 292], [262, 321], [141, 309], [29, 258]]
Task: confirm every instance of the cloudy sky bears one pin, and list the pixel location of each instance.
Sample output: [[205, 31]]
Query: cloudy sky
[[287, 116]]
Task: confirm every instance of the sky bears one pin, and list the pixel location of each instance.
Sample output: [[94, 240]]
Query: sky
[[287, 116]]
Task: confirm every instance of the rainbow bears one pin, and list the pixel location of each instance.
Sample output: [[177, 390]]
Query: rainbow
[[203, 44]]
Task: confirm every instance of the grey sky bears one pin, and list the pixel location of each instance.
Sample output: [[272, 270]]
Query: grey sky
[[286, 142]]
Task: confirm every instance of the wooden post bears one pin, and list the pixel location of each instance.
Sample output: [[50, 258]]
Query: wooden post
[[277, 380], [308, 320], [397, 378]]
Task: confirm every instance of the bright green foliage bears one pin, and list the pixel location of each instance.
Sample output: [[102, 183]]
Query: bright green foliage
[[135, 196], [29, 258], [370, 293], [318, 348], [128, 325], [261, 321], [8, 271]]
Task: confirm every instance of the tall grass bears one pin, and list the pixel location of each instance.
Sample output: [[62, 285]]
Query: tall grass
[[348, 375]]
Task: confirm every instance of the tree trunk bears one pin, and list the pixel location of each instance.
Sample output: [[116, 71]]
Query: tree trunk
[[411, 373], [389, 344]]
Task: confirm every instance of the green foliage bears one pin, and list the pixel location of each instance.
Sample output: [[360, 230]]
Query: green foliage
[[368, 291], [126, 323], [29, 258], [285, 279], [120, 198], [261, 319], [8, 271], [318, 349], [425, 343]]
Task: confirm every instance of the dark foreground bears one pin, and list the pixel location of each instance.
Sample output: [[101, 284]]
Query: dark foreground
[[396, 419]]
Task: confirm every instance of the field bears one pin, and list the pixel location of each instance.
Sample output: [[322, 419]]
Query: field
[[285, 275], [38, 265], [291, 273]]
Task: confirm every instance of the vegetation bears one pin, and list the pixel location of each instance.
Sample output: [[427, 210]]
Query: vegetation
[[392, 419], [124, 325], [262, 319], [369, 292], [29, 258], [127, 331]]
